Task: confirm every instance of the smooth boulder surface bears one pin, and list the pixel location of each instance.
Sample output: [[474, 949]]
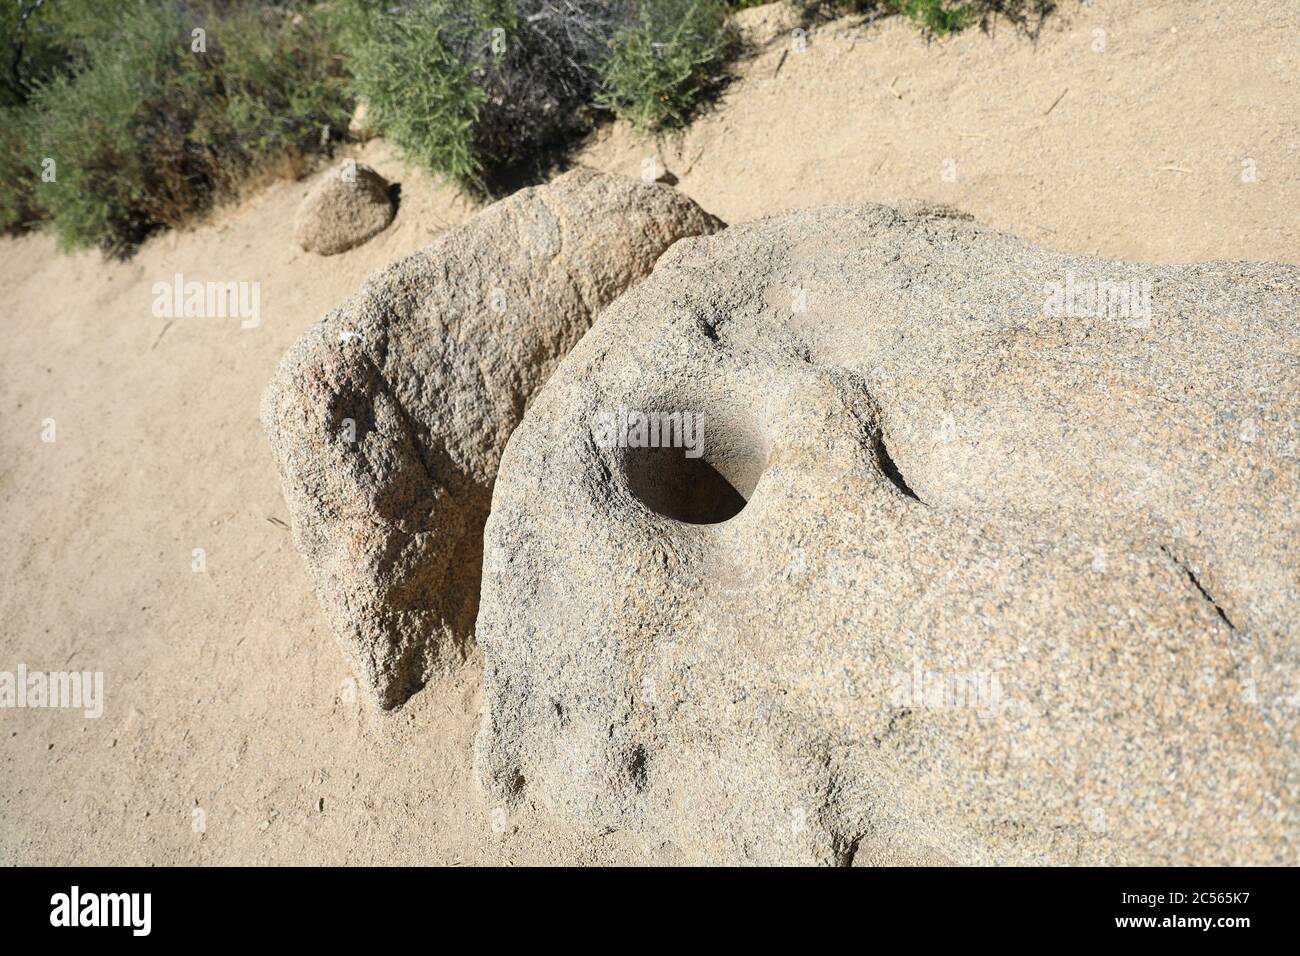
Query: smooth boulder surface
[[387, 419], [349, 205], [978, 563]]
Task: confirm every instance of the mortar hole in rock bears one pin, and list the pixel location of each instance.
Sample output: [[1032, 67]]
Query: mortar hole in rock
[[708, 488]]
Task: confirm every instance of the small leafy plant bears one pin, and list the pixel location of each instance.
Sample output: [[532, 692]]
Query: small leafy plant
[[661, 66]]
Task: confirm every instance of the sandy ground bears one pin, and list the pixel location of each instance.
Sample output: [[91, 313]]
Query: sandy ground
[[225, 694]]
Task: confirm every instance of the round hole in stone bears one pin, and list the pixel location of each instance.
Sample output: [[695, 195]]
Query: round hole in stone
[[707, 484]]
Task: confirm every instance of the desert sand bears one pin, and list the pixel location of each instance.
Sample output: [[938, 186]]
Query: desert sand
[[1177, 141]]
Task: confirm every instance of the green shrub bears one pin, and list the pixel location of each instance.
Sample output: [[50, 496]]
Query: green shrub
[[145, 131], [18, 205], [41, 37], [416, 86], [660, 67], [38, 40], [475, 88], [940, 17]]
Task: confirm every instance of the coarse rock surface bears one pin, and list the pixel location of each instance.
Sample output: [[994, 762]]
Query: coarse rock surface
[[969, 570], [387, 419], [350, 204]]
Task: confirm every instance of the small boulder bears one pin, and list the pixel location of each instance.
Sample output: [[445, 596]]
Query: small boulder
[[350, 204], [359, 126], [765, 24]]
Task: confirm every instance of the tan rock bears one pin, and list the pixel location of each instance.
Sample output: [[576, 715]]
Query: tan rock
[[978, 562], [388, 417], [349, 205], [758, 26], [359, 125]]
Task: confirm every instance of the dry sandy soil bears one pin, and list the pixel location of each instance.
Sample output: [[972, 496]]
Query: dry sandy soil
[[225, 692]]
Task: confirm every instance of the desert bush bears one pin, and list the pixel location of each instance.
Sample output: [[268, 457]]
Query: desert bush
[[480, 90], [940, 17], [416, 87], [474, 89], [661, 66], [37, 40], [17, 179], [145, 130]]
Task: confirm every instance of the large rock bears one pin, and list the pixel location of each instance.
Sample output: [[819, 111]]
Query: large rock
[[350, 204], [961, 574], [388, 417]]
